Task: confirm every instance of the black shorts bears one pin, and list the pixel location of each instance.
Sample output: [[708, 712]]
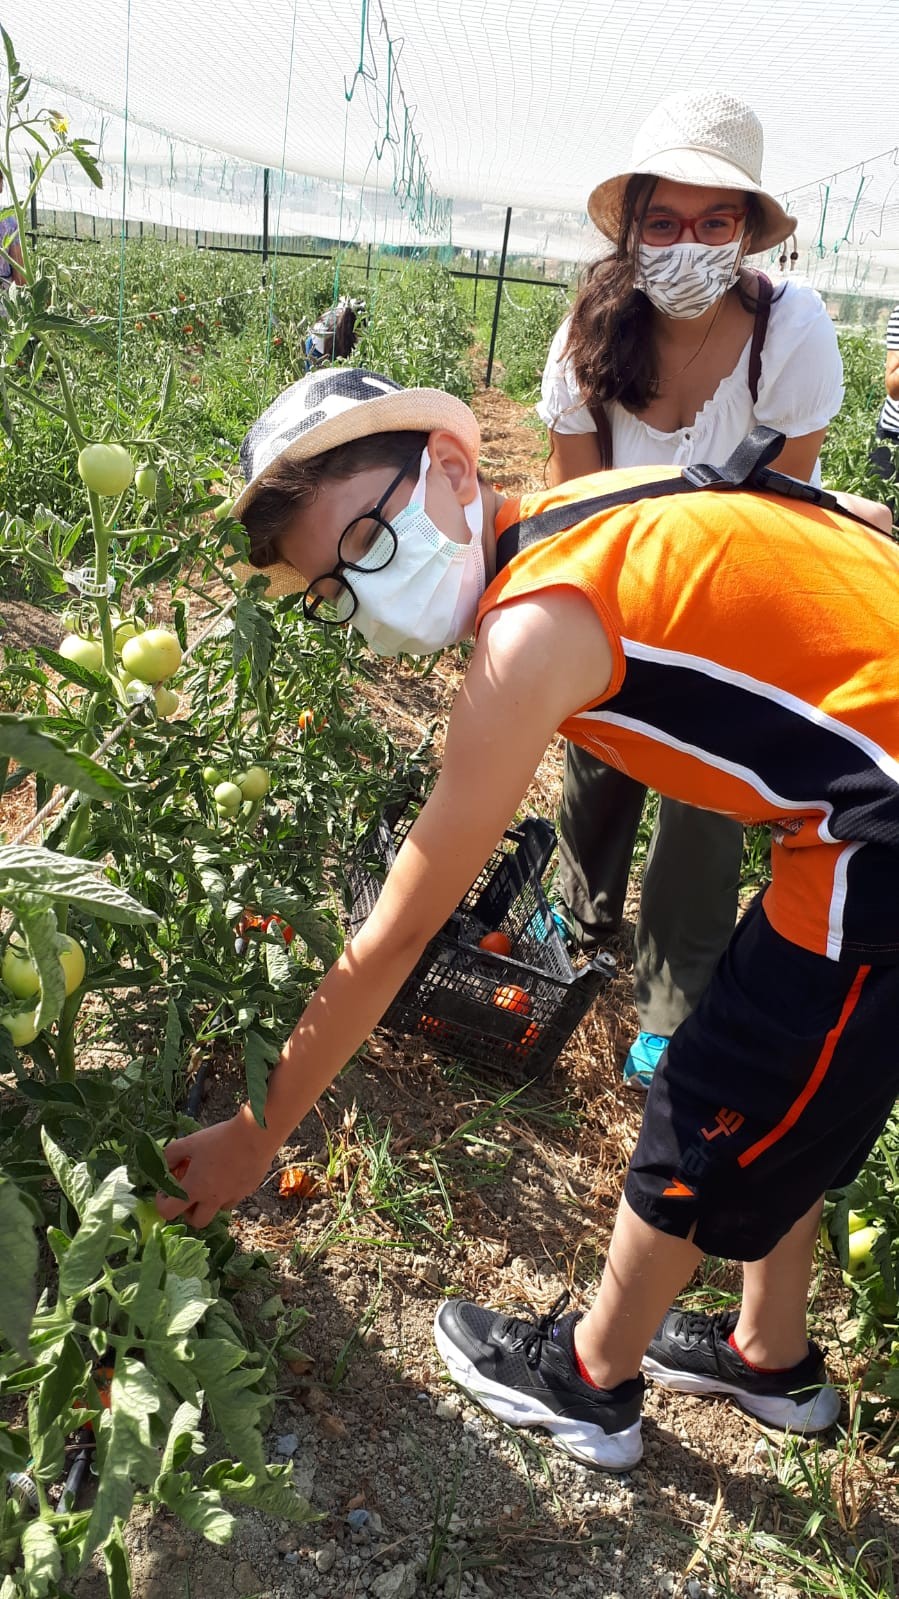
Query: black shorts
[[772, 1092]]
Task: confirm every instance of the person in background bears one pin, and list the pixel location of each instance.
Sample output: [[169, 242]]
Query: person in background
[[884, 456], [333, 336], [674, 350], [10, 248]]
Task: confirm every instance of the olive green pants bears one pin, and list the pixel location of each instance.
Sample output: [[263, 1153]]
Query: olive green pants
[[688, 904]]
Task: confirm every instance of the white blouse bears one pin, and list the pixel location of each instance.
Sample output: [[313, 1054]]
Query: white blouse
[[800, 391]]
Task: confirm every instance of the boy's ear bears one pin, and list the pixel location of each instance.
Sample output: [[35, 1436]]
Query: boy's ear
[[454, 457]]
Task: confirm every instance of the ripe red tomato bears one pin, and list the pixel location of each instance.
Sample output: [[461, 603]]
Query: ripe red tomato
[[527, 1040], [431, 1026], [498, 943], [510, 997]]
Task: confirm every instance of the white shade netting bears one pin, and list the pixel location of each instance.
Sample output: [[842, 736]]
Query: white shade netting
[[421, 121]]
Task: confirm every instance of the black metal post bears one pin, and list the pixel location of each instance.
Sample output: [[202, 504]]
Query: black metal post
[[499, 290], [368, 265], [477, 268], [265, 194]]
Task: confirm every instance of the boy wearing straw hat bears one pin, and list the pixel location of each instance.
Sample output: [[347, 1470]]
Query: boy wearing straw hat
[[692, 631]]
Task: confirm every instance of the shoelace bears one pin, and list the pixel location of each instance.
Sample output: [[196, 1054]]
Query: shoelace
[[536, 1333], [699, 1329]]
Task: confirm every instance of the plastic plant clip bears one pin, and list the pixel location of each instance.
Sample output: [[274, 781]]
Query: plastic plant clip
[[84, 580]]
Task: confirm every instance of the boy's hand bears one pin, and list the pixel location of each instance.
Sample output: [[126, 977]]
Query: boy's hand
[[217, 1167]]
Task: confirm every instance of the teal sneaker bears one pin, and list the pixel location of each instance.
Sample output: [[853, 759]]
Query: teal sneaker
[[642, 1059]]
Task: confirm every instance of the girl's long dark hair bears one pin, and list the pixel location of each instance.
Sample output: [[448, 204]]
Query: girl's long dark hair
[[610, 340]]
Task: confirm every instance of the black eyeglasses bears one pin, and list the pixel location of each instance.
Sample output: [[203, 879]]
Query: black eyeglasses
[[367, 544]]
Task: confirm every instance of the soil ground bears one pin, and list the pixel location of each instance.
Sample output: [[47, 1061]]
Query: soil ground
[[417, 1491]]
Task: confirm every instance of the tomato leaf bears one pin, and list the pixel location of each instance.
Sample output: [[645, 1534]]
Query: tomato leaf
[[78, 148], [128, 1459], [252, 636], [231, 1392], [200, 1509], [271, 1490], [152, 1165], [68, 1372], [318, 932], [55, 322], [73, 671], [36, 870], [38, 922], [110, 1203], [118, 1571], [18, 1266], [259, 1056], [73, 1180], [185, 1439], [42, 1559], [22, 741]]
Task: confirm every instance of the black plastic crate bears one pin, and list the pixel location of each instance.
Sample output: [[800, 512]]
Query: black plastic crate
[[510, 1014]]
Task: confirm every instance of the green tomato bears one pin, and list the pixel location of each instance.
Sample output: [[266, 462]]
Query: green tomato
[[856, 1221], [72, 961], [123, 631], [22, 1027], [83, 651], [167, 701], [145, 481], [228, 799], [861, 1261], [212, 776], [153, 655], [254, 784], [106, 469], [19, 972], [222, 510], [147, 1217]]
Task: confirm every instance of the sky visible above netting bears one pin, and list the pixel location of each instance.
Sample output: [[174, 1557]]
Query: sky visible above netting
[[399, 120]]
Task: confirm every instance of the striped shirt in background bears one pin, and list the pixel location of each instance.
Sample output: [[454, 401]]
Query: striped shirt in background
[[889, 416]]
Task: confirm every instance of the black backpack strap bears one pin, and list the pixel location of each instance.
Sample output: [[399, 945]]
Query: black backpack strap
[[747, 468], [533, 529], [759, 447], [765, 294]]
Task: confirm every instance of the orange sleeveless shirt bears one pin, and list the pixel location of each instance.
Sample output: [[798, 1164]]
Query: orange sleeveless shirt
[[755, 646]]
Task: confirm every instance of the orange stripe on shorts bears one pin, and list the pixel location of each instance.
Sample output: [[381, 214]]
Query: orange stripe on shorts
[[816, 1079]]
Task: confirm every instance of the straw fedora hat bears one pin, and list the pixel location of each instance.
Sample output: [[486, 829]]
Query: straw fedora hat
[[328, 408], [710, 139]]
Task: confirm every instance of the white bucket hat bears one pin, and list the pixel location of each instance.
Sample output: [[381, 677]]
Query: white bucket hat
[[712, 140], [328, 408]]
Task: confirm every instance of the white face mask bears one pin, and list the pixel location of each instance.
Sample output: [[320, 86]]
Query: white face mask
[[427, 596], [684, 280]]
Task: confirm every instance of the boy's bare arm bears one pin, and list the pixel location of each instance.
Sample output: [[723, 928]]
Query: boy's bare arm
[[527, 674]]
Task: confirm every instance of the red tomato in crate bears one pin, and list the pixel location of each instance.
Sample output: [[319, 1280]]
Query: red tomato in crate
[[498, 943], [510, 997]]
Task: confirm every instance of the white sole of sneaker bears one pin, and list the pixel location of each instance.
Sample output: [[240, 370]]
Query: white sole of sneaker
[[613, 1451], [814, 1414]]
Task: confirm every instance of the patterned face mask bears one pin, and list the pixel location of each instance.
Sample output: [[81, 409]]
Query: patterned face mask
[[684, 280]]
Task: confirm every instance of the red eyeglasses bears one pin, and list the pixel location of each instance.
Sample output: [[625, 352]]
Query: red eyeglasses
[[715, 227]]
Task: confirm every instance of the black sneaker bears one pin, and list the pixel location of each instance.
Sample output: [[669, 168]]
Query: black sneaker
[[524, 1372], [690, 1353]]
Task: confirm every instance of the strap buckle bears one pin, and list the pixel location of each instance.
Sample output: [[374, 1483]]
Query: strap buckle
[[757, 450]]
